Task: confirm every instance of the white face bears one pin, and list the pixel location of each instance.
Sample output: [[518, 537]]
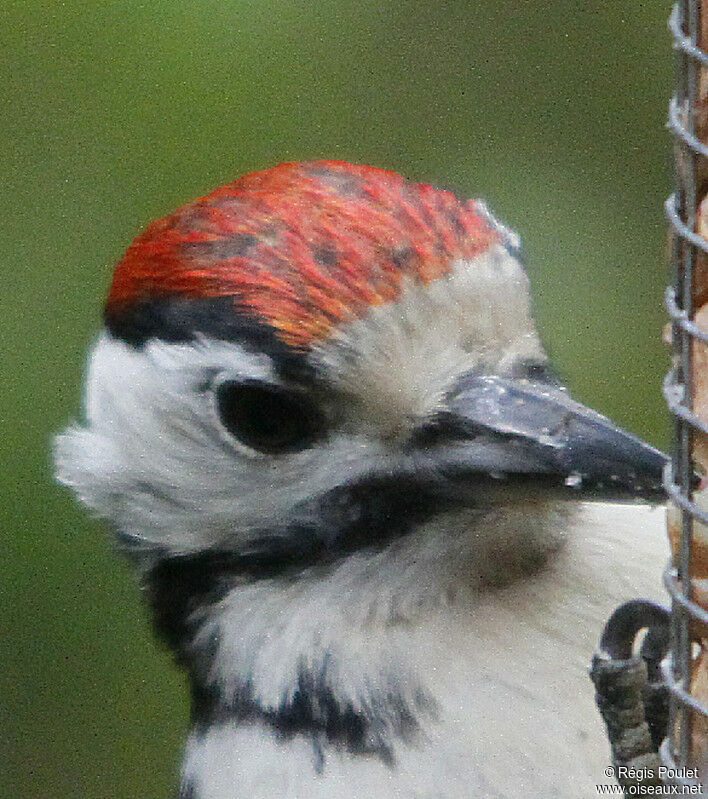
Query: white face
[[155, 458]]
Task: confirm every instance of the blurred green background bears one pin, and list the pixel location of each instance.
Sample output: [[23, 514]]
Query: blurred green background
[[116, 112]]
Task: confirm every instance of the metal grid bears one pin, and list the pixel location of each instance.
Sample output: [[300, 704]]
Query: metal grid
[[681, 209]]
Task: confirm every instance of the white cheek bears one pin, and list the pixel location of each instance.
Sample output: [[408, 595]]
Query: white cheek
[[155, 461]]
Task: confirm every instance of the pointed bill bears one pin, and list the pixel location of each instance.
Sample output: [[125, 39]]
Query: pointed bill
[[510, 428]]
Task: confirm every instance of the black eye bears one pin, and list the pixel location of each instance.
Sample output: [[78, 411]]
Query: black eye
[[538, 371], [268, 418]]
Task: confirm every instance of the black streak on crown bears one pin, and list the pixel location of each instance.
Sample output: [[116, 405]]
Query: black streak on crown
[[177, 319]]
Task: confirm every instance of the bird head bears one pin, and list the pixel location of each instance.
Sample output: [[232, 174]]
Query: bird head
[[322, 357]]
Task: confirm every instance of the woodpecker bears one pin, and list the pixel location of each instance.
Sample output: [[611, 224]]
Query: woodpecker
[[322, 425]]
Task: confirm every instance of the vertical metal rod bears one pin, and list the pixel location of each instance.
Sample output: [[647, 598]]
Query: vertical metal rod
[[686, 194], [688, 245]]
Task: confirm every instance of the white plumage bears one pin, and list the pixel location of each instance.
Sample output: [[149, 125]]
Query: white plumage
[[512, 708]]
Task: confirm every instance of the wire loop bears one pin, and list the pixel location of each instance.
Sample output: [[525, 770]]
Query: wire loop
[[680, 317], [683, 42]]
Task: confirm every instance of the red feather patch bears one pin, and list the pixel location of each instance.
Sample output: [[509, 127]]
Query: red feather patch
[[303, 247]]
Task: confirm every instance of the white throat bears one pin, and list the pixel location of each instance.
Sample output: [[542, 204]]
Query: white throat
[[477, 676]]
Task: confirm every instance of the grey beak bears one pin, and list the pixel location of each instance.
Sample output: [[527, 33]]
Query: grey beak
[[515, 429]]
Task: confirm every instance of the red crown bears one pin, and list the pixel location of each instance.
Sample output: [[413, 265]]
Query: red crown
[[303, 247]]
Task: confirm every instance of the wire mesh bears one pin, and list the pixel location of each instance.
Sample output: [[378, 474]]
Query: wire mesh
[[681, 209]]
